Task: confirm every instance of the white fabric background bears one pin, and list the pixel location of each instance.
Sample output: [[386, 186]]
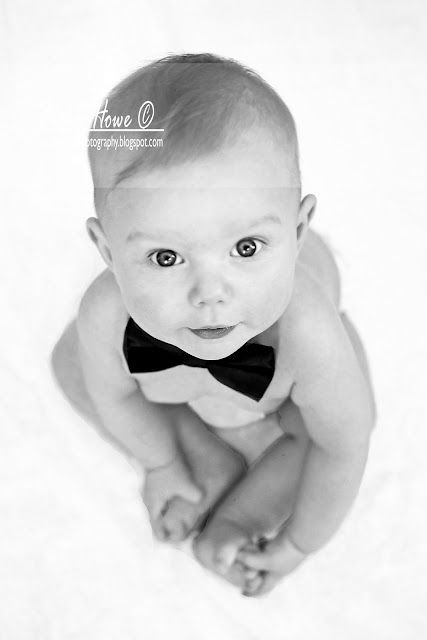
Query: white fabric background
[[76, 556]]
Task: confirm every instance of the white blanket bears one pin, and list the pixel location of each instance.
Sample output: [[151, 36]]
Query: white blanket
[[77, 560]]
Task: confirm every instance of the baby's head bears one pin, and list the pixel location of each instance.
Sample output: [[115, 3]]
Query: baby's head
[[206, 229]]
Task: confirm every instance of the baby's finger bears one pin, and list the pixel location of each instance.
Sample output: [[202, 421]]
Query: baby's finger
[[180, 519], [280, 555], [158, 508], [160, 532], [260, 561], [154, 503]]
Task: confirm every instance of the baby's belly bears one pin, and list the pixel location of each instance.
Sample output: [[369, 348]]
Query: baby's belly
[[218, 411], [251, 440]]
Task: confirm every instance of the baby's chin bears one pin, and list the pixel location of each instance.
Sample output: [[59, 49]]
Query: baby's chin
[[215, 348]]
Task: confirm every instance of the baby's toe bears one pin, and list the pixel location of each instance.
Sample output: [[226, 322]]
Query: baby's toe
[[216, 547], [250, 574], [180, 519], [254, 580], [269, 582], [236, 575]]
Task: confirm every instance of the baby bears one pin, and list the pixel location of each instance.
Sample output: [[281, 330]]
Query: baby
[[213, 347]]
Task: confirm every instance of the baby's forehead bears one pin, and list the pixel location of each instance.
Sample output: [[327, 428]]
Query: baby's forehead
[[246, 180], [243, 168], [197, 215], [177, 199]]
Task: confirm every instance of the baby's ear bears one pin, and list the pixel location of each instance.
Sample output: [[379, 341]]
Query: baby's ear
[[307, 209], [96, 234], [313, 205], [305, 215], [90, 222]]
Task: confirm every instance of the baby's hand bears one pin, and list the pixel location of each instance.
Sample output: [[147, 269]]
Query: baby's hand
[[252, 563], [267, 564], [171, 482]]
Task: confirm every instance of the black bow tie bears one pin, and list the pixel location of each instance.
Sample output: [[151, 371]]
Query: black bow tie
[[248, 370]]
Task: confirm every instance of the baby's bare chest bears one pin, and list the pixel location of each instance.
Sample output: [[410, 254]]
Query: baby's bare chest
[[215, 402]]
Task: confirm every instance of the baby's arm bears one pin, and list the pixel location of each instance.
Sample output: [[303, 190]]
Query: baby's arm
[[146, 430], [333, 396]]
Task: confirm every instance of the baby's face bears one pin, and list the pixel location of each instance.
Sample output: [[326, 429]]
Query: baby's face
[[211, 243]]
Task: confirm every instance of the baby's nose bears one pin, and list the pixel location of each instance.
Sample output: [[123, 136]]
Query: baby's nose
[[210, 289]]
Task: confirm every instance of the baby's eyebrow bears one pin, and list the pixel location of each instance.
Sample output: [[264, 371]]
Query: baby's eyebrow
[[136, 234]]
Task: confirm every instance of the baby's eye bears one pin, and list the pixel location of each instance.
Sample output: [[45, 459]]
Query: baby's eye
[[247, 247], [165, 257]]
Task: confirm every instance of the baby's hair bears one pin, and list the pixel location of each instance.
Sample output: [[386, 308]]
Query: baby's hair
[[204, 102]]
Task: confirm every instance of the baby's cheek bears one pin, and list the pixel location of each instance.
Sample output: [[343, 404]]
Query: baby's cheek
[[273, 297], [143, 306], [161, 311]]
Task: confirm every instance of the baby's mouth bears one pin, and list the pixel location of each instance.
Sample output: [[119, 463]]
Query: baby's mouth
[[212, 332]]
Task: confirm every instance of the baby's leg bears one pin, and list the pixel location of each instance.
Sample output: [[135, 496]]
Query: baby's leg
[[260, 503], [215, 468]]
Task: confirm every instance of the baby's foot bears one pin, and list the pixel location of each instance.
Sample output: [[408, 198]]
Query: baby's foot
[[273, 561], [215, 468], [257, 506], [217, 547]]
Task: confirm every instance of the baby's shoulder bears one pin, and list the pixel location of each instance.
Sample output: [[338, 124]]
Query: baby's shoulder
[[310, 326], [102, 302]]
